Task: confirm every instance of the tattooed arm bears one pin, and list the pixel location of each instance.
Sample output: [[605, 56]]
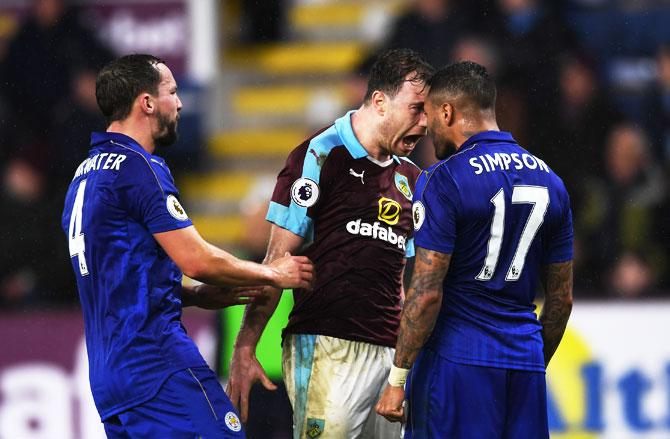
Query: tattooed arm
[[421, 305], [557, 281], [418, 317]]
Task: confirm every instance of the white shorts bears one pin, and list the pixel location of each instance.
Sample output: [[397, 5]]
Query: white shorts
[[334, 385]]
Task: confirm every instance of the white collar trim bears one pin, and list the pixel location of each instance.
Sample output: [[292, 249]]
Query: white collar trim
[[378, 163]]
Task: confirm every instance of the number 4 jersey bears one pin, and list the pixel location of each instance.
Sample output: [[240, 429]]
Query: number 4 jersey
[[502, 214], [130, 289]]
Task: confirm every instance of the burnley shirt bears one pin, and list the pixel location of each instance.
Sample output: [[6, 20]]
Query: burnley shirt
[[130, 289], [502, 214], [356, 214]]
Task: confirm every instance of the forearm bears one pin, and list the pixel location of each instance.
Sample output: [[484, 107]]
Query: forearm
[[189, 296], [222, 268], [557, 306], [416, 324], [257, 315], [422, 305]]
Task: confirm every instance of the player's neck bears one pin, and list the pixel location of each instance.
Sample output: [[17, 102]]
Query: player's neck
[[137, 131], [470, 128], [364, 125]]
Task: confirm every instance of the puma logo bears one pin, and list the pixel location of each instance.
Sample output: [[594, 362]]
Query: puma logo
[[355, 174]]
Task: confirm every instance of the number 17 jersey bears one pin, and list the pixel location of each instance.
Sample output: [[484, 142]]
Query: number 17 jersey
[[502, 214]]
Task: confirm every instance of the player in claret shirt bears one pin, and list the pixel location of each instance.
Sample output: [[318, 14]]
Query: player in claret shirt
[[345, 193], [492, 223], [130, 239]]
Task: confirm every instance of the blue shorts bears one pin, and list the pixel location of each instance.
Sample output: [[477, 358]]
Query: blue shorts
[[452, 400], [190, 404]]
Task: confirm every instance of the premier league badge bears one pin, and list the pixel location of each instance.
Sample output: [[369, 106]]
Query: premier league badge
[[305, 192]]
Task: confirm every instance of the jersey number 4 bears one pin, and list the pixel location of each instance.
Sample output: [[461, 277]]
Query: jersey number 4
[[538, 196], [76, 237]]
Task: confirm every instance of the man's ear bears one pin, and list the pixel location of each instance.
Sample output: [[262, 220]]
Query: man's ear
[[147, 103], [379, 102], [448, 113]]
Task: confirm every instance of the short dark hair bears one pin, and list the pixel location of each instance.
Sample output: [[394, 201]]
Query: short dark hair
[[467, 79], [388, 73], [122, 80]]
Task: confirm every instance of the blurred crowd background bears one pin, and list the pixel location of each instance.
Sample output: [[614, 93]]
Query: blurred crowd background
[[583, 84]]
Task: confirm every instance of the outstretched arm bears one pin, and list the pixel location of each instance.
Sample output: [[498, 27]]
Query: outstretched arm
[[244, 367], [200, 260], [419, 314], [557, 281]]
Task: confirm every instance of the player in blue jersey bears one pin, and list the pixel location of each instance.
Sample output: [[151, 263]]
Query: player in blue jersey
[[492, 223], [130, 240]]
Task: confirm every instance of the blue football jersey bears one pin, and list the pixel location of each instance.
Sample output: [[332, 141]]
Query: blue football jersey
[[502, 214], [130, 290]]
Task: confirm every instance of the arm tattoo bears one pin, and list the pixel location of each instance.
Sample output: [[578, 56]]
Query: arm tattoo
[[557, 280], [422, 305]]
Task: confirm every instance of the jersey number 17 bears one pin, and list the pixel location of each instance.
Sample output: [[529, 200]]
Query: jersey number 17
[[538, 196]]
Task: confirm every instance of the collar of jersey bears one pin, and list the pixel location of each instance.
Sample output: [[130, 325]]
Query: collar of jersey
[[346, 132], [107, 136], [496, 136]]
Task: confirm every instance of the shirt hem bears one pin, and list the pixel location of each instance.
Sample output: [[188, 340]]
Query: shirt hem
[[369, 340]]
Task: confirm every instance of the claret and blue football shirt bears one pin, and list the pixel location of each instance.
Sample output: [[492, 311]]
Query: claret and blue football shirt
[[502, 214], [356, 213], [130, 289]]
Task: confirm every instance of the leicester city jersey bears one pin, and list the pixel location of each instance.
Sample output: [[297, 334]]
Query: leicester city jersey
[[502, 214], [130, 290]]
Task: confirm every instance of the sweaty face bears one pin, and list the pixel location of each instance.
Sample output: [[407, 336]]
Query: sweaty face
[[167, 110], [405, 121], [439, 131]]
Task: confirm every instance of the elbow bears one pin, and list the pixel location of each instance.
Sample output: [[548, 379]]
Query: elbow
[[196, 269]]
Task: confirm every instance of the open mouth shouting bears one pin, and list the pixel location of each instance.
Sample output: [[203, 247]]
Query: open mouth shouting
[[410, 141]]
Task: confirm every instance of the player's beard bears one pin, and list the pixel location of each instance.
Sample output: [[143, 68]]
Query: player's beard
[[167, 131], [444, 148]]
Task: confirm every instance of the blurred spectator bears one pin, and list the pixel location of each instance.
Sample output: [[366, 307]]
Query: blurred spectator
[[658, 107], [74, 119], [46, 83], [533, 35], [41, 60], [430, 27], [34, 265], [631, 277], [618, 215], [570, 137], [511, 107]]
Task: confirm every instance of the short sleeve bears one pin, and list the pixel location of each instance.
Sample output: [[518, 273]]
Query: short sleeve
[[560, 238], [296, 192], [435, 211], [150, 197]]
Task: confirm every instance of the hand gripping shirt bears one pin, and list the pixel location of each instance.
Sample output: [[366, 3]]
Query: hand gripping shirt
[[355, 212], [130, 289], [502, 214]]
